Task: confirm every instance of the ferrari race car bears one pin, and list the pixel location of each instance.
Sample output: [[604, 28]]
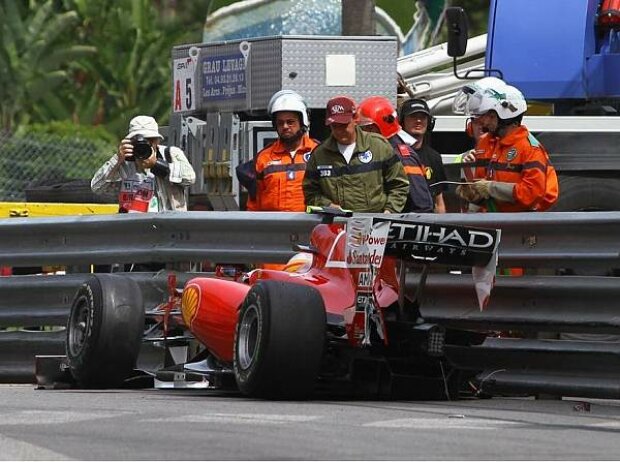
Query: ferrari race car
[[336, 318]]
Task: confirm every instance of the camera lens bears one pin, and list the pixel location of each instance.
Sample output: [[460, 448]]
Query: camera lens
[[141, 147]]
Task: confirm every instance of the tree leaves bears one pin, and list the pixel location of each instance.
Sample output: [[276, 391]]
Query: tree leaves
[[91, 62], [131, 71], [34, 56]]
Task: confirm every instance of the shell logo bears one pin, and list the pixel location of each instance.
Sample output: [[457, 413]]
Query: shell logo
[[189, 304], [299, 263]]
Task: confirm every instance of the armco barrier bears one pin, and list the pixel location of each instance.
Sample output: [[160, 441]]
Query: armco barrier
[[32, 302], [543, 242], [234, 237], [536, 240], [45, 300], [584, 304]]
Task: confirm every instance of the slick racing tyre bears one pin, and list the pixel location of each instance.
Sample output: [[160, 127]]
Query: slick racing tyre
[[587, 194], [104, 331], [279, 341]]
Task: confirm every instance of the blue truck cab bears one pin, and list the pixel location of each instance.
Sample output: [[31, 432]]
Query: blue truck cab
[[556, 49]]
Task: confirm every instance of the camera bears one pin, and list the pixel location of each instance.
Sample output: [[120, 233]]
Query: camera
[[141, 147]]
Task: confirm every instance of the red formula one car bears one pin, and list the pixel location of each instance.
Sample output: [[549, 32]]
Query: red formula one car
[[336, 318]]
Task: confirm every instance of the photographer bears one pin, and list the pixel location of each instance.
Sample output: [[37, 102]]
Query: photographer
[[146, 177]]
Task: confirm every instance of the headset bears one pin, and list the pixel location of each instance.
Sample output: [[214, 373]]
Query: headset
[[423, 108]]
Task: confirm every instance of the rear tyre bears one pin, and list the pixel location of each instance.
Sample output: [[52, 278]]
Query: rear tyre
[[587, 194], [104, 331], [279, 341]]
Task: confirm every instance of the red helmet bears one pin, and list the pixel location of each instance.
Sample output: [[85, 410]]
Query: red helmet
[[379, 111]]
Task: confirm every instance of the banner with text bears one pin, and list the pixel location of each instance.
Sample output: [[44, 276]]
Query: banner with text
[[223, 77]]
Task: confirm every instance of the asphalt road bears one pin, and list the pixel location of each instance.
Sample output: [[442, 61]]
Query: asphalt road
[[194, 424]]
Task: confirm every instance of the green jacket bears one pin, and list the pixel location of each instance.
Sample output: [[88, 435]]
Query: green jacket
[[374, 180]]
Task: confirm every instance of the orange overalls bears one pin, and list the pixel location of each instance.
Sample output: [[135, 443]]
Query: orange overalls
[[279, 178], [278, 181], [520, 159]]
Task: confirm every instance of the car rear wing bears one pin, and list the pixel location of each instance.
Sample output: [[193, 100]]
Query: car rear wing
[[369, 239], [416, 241], [445, 244]]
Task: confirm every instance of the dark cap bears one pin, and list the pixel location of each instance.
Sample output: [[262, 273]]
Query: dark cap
[[340, 110], [412, 106]]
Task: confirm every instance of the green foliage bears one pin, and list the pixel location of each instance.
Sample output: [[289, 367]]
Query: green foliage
[[131, 73], [93, 63], [401, 12], [67, 129], [35, 60], [477, 14], [102, 62]]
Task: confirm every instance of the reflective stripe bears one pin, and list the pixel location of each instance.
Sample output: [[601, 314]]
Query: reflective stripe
[[535, 164], [505, 167], [277, 168], [355, 169], [411, 170], [517, 168], [391, 161], [533, 141], [479, 163]]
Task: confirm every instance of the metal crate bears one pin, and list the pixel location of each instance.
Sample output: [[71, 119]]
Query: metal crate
[[242, 75]]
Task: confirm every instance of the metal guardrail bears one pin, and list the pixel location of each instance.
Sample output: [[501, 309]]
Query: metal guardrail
[[539, 366], [551, 239], [19, 348], [37, 301], [528, 304], [567, 329], [234, 237], [541, 242], [448, 299], [534, 240]]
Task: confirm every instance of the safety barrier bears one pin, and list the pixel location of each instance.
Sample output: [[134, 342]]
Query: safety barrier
[[235, 237], [52, 209], [40, 305], [536, 240], [533, 304], [582, 304]]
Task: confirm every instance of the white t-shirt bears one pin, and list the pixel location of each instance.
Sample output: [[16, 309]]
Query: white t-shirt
[[347, 151]]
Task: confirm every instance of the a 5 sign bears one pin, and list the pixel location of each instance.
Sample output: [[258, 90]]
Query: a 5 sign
[[184, 92]]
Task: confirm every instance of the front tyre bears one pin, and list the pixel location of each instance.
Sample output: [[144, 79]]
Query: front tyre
[[104, 331], [279, 341]]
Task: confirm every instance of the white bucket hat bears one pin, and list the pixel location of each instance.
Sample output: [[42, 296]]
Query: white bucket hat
[[145, 126]]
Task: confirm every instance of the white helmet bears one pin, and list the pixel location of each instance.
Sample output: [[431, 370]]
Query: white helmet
[[508, 102], [459, 105], [288, 100], [490, 94]]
